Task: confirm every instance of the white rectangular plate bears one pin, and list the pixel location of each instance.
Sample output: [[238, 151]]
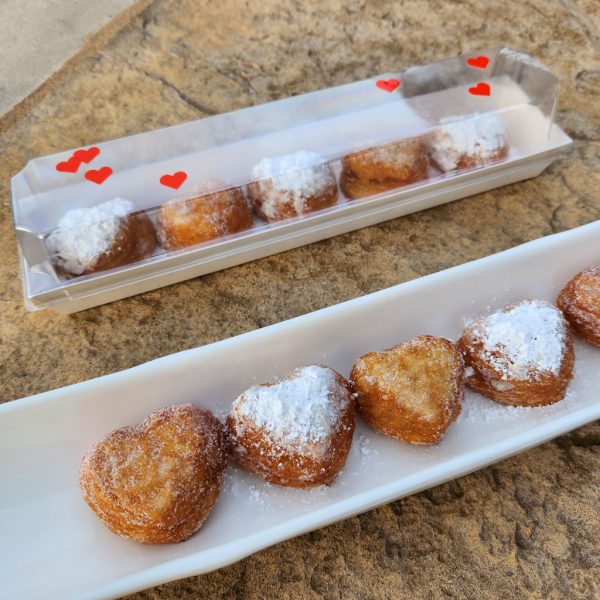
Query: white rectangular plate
[[52, 545]]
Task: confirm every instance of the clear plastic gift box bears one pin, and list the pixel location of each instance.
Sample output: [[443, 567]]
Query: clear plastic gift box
[[129, 215]]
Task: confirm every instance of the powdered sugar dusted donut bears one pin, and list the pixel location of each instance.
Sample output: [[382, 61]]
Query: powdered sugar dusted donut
[[412, 392], [580, 302], [522, 355], [207, 216], [292, 185], [156, 482], [102, 237], [382, 168], [295, 432], [469, 143]]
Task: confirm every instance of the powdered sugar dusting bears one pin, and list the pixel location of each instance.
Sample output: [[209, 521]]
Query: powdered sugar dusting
[[157, 481], [365, 447], [84, 234], [480, 136], [527, 338], [296, 173], [482, 411], [298, 412], [182, 212], [291, 178], [242, 489]]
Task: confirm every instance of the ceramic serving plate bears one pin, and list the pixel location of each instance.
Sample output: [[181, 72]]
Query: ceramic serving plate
[[53, 546]]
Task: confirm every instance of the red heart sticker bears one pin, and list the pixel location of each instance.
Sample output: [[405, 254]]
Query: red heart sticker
[[388, 85], [69, 166], [481, 89], [86, 156], [174, 181], [478, 62], [98, 175]]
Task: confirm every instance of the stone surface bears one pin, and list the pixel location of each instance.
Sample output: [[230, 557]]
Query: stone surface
[[526, 527], [40, 36]]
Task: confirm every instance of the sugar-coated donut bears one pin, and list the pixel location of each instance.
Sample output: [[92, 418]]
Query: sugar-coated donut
[[102, 237], [296, 432], [354, 187], [522, 355], [469, 143], [156, 483], [292, 185], [206, 216], [382, 168], [412, 392], [580, 302]]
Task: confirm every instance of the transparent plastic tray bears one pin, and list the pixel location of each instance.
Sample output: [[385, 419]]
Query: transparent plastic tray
[[53, 546], [388, 115]]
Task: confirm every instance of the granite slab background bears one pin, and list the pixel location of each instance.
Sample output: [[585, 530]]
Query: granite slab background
[[527, 527]]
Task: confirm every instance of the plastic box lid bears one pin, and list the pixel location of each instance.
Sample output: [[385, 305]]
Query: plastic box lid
[[472, 119]]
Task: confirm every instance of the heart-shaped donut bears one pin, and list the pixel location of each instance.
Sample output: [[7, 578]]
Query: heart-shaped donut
[[295, 432], [412, 392], [521, 355], [580, 302], [156, 482]]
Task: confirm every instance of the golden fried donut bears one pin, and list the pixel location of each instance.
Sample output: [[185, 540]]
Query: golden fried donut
[[156, 482], [296, 432], [354, 187], [206, 216], [469, 143], [102, 237], [522, 355], [382, 168], [412, 392], [292, 185], [580, 302]]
